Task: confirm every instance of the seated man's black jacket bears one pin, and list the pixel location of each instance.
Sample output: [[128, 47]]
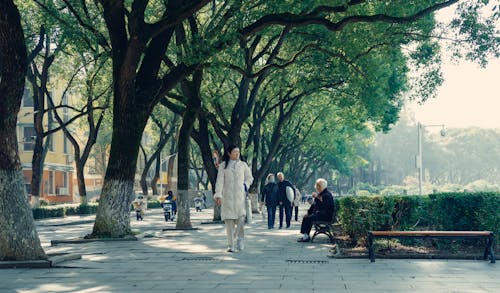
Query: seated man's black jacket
[[323, 209]]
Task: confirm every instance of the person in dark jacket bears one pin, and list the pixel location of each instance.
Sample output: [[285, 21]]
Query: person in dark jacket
[[321, 210], [270, 198], [285, 201], [174, 202]]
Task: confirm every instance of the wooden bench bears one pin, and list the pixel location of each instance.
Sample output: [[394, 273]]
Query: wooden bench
[[487, 235], [324, 227]]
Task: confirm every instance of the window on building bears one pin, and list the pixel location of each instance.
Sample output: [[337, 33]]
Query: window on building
[[27, 97], [51, 143], [65, 180], [65, 144], [65, 109], [51, 183], [27, 186], [92, 169], [29, 135]]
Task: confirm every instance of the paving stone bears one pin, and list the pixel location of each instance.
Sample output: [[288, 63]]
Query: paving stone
[[196, 261]]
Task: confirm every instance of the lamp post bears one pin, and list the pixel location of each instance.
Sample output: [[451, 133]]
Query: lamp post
[[419, 161]]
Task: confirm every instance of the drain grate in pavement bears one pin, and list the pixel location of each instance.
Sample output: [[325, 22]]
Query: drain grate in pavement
[[199, 258], [307, 261]]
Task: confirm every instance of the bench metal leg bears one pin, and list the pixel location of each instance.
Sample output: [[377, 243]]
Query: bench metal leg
[[323, 229], [371, 255]]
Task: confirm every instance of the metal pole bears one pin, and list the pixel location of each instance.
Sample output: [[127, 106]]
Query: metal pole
[[419, 159]]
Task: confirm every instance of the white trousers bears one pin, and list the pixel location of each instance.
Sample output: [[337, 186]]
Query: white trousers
[[234, 230]]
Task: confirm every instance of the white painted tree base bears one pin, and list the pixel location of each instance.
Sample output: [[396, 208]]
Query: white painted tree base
[[19, 240]]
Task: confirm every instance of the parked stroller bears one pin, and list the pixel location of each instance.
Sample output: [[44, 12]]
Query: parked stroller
[[168, 210]]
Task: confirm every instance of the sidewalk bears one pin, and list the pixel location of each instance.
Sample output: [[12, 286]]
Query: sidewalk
[[196, 261]]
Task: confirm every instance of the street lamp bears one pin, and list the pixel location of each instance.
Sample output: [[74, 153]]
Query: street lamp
[[418, 161]]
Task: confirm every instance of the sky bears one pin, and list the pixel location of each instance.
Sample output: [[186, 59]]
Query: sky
[[468, 97]]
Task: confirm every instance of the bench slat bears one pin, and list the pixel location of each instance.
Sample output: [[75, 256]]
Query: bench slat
[[431, 233]]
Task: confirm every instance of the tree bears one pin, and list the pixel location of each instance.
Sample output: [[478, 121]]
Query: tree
[[166, 130], [95, 102], [141, 34], [16, 217]]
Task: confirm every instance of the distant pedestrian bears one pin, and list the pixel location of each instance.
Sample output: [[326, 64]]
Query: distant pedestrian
[[296, 203], [270, 199], [140, 205], [233, 177], [285, 194], [170, 196]]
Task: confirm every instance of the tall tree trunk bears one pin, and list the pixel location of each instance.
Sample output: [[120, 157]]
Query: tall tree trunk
[[143, 181], [80, 179], [202, 138], [113, 213], [37, 167], [183, 214], [171, 169], [154, 181], [18, 237], [39, 80]]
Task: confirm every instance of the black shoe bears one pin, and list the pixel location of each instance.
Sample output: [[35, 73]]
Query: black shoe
[[303, 240]]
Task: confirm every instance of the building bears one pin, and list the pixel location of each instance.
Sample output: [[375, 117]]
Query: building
[[58, 170]]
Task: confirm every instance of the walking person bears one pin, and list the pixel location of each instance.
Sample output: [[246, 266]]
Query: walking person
[[140, 205], [233, 177], [270, 199], [285, 199], [296, 203], [321, 210], [170, 196]]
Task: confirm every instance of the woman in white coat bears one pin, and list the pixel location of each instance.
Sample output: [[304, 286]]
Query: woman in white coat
[[233, 177]]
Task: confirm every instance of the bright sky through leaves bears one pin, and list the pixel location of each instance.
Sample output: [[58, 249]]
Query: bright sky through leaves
[[468, 97]]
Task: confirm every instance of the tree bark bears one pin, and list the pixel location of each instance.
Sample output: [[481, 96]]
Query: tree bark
[[155, 178], [39, 80], [202, 138], [113, 213], [18, 237], [183, 213], [80, 179]]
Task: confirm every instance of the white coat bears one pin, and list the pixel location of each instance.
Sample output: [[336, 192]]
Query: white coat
[[230, 188]]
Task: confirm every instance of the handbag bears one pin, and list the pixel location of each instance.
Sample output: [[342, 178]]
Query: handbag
[[289, 193]]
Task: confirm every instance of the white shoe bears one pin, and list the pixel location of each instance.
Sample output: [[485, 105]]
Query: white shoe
[[230, 249], [240, 245]]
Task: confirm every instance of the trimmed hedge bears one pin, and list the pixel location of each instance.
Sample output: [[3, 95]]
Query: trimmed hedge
[[59, 211], [444, 211]]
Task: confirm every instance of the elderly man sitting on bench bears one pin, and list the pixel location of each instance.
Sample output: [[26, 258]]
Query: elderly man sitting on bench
[[321, 210]]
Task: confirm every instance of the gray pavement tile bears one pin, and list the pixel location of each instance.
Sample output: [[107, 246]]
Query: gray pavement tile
[[196, 261]]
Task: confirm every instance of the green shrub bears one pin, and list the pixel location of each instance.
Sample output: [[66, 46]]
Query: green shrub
[[59, 211], [87, 209], [443, 211], [154, 204], [48, 212]]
